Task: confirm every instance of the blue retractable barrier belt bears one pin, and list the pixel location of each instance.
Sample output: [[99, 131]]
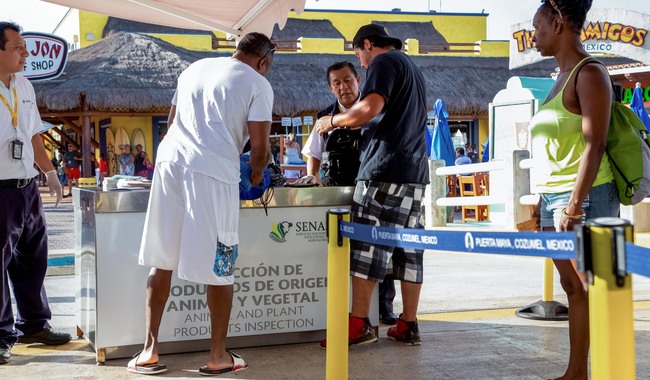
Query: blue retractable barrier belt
[[638, 259], [60, 261], [556, 245]]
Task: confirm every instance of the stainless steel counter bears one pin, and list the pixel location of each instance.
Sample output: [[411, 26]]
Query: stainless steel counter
[[280, 278], [136, 200]]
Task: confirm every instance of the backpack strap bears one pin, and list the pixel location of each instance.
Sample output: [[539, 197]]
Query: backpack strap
[[616, 95]]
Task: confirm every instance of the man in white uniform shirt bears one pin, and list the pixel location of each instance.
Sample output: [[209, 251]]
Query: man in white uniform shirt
[[193, 215], [23, 235], [343, 81]]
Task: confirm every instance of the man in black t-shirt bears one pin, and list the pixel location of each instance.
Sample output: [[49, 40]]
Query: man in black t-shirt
[[72, 160], [341, 165], [392, 177]]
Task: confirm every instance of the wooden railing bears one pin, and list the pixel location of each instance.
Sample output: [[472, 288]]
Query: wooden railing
[[222, 43], [459, 47], [292, 46], [285, 45]]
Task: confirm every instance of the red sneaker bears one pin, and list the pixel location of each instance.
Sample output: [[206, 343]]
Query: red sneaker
[[406, 332], [360, 332]]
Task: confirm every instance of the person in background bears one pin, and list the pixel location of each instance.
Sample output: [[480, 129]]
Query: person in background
[[193, 215], [102, 165], [569, 135], [291, 143], [485, 157], [55, 162], [141, 162], [472, 153], [392, 177], [63, 178], [461, 158], [343, 81], [127, 161], [72, 160], [23, 231], [292, 156]]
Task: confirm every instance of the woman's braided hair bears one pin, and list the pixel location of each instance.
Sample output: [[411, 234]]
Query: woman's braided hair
[[574, 12]]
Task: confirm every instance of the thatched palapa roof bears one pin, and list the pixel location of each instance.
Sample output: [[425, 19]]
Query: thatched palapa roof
[[296, 28], [123, 72], [129, 72], [424, 32], [116, 25]]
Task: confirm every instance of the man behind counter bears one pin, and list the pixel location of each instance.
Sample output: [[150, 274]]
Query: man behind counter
[[342, 81]]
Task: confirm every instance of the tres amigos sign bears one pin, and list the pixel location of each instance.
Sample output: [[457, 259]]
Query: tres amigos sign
[[606, 31], [47, 56]]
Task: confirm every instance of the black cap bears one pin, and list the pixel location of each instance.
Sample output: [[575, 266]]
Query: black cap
[[375, 30]]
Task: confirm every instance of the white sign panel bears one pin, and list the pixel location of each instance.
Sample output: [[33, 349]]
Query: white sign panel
[[286, 294], [296, 121], [510, 127], [47, 56], [606, 31], [309, 120], [286, 121]]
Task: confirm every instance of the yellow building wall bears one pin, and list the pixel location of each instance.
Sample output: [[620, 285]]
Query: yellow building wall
[[322, 45], [198, 42], [495, 48], [462, 29], [130, 124], [483, 133], [455, 28], [412, 46], [93, 23]]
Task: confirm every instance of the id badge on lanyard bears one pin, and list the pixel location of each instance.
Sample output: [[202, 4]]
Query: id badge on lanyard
[[15, 146]]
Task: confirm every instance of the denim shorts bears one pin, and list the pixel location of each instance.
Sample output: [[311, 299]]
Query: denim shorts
[[601, 201]]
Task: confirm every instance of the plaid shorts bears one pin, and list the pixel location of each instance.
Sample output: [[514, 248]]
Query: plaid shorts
[[388, 205]]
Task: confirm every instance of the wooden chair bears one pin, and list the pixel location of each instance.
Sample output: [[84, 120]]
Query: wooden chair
[[483, 180], [470, 186], [452, 185]]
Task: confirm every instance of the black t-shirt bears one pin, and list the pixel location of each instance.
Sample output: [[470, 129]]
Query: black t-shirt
[[139, 163], [392, 143], [69, 159]]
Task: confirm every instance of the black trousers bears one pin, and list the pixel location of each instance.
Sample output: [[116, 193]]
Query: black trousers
[[23, 245], [386, 295]]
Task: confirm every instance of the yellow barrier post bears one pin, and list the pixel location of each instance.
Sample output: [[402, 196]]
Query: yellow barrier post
[[610, 297], [338, 296], [546, 309], [548, 280]]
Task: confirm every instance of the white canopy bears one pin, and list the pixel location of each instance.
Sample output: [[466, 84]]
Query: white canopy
[[236, 17]]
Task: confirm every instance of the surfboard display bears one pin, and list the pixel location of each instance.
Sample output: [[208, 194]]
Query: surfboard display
[[138, 138], [111, 152]]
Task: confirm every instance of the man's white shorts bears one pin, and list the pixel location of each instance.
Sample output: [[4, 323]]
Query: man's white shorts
[[191, 225]]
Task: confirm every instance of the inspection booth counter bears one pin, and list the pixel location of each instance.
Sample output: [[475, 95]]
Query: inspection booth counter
[[281, 274]]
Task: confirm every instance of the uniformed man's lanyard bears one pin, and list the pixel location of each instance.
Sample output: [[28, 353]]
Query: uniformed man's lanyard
[[13, 112], [16, 146]]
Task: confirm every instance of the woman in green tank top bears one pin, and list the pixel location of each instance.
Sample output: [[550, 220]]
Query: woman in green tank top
[[569, 135]]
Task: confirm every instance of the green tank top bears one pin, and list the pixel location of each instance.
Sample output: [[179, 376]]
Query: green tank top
[[558, 145]]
